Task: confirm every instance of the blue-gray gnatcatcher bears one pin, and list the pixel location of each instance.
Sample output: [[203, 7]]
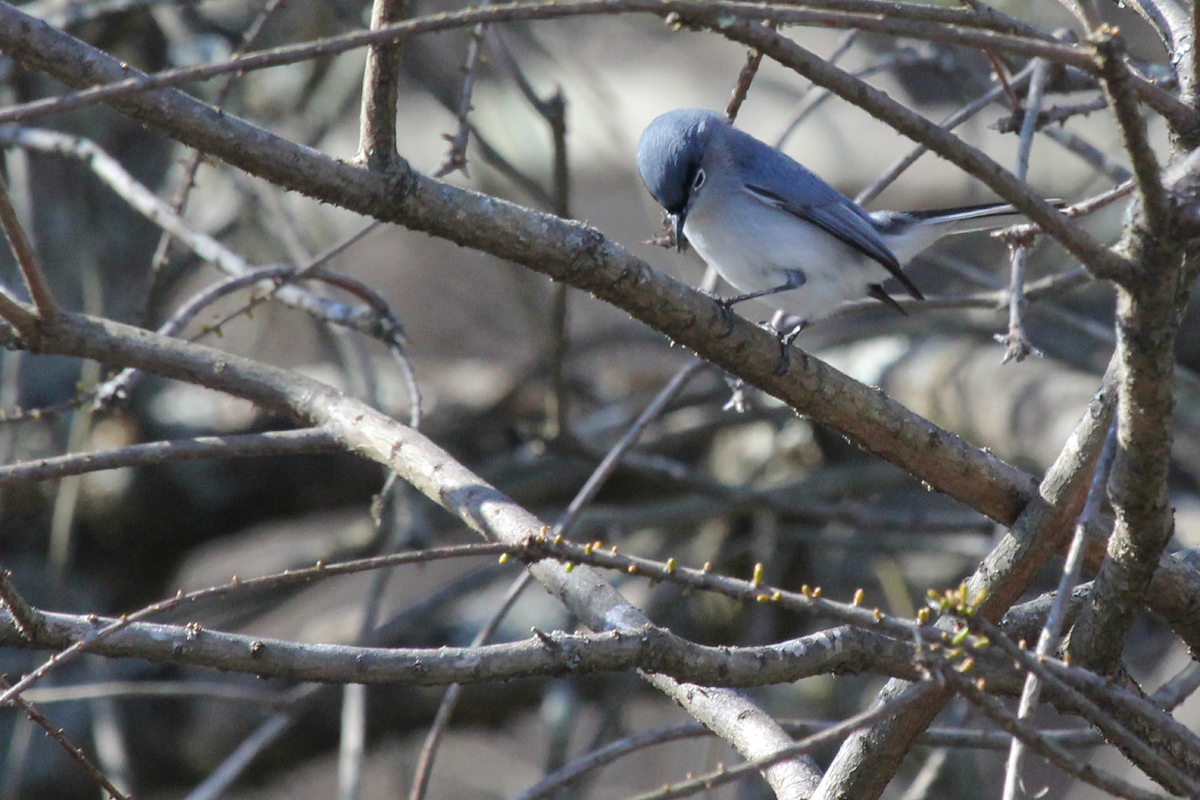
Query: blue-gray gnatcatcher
[[774, 230]]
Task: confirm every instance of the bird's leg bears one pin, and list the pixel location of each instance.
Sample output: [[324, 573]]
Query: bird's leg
[[793, 279]]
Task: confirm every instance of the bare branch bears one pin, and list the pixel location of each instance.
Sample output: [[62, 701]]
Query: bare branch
[[26, 618], [146, 203], [441, 720], [457, 158], [188, 177], [869, 759], [27, 260], [1115, 76], [250, 445], [1016, 345], [435, 473], [72, 750], [381, 82], [1039, 744], [1044, 46], [1051, 635]]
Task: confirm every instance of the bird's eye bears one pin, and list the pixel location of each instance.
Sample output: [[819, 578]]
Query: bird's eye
[[698, 181]]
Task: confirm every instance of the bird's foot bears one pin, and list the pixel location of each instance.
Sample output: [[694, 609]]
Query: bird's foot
[[785, 337], [725, 306]]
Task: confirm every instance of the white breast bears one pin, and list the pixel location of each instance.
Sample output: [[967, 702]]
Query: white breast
[[753, 246]]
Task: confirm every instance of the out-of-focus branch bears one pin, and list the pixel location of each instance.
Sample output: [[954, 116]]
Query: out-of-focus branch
[[882, 19], [70, 747], [1016, 345], [149, 205], [27, 259], [381, 86], [309, 440]]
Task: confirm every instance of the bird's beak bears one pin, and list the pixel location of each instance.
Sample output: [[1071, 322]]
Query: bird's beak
[[677, 221]]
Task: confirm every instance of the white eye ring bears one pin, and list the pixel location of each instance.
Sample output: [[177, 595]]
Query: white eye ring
[[698, 181]]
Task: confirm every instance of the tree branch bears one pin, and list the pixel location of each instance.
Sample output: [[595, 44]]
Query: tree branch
[[310, 440], [868, 760], [381, 86]]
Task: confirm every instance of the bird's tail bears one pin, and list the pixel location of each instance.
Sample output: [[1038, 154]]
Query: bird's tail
[[908, 233], [966, 219]]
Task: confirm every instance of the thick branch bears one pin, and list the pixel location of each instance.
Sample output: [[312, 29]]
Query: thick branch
[[1147, 322]]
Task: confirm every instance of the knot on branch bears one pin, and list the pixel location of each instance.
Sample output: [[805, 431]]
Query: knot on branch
[[1108, 45]]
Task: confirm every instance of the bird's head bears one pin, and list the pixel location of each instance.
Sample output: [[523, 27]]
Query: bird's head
[[670, 157]]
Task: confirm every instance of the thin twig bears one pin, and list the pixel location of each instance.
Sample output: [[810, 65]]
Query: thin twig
[[552, 110], [457, 158], [1051, 634], [832, 734], [1155, 764], [146, 203], [840, 49], [27, 618], [27, 259], [441, 720], [1016, 345], [549, 9], [57, 735], [742, 87], [561, 527], [1050, 116], [292, 577], [1115, 77], [188, 179], [1033, 738], [613, 457], [308, 697], [249, 445], [353, 738]]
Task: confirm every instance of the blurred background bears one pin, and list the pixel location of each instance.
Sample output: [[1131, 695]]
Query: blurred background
[[498, 380]]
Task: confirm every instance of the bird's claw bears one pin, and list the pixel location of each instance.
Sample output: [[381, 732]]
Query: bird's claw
[[726, 311], [785, 339]]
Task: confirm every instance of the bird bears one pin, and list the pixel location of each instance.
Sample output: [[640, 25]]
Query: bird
[[774, 230]]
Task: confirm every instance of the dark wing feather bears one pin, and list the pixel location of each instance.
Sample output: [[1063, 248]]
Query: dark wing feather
[[847, 225]]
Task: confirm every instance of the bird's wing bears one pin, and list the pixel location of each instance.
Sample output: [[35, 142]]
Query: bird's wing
[[834, 214]]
